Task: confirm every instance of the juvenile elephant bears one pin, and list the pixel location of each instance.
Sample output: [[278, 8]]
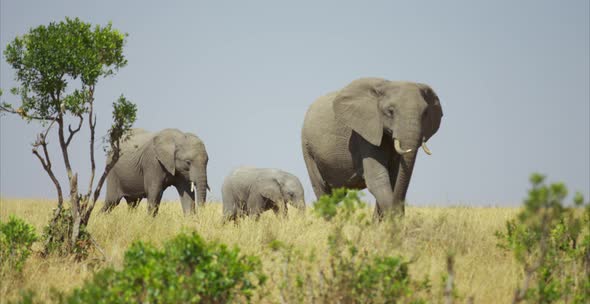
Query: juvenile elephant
[[251, 191], [367, 135], [151, 162]]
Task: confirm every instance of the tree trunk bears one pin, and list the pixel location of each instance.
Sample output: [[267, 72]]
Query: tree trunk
[[76, 212]]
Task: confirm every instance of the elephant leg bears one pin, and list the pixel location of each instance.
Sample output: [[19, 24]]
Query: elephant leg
[[230, 215], [279, 210], [230, 202], [113, 198], [187, 198], [378, 182], [231, 212], [393, 171], [154, 198], [320, 187], [255, 205], [110, 204], [132, 202]]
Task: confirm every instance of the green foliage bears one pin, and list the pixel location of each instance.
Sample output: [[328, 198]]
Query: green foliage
[[342, 201], [354, 275], [552, 242], [124, 116], [16, 239], [187, 270], [29, 296], [57, 235], [47, 57], [358, 277]]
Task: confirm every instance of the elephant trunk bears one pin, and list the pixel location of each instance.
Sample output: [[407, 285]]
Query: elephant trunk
[[404, 172], [201, 187], [406, 166]]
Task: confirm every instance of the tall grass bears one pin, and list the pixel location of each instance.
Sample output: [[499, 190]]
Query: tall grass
[[426, 236]]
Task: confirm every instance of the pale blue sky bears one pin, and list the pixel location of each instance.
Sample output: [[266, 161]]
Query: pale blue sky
[[512, 76]]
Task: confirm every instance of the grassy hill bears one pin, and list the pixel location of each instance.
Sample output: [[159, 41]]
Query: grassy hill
[[427, 234]]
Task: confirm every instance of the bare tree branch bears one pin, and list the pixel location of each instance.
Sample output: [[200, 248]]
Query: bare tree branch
[[23, 114], [63, 146], [59, 208], [46, 163], [74, 131], [110, 164], [73, 179], [44, 136], [91, 125], [95, 243], [75, 201]]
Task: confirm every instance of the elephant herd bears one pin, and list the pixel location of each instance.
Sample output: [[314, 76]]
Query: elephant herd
[[366, 135]]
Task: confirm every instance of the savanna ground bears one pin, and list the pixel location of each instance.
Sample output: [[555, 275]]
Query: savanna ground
[[426, 236]]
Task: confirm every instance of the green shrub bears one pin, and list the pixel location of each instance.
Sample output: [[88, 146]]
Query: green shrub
[[353, 275], [552, 242], [187, 270], [57, 237], [342, 201], [16, 239], [358, 277]]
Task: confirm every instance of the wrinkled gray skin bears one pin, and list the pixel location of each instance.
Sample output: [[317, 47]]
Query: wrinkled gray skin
[[151, 162], [251, 191], [348, 138]]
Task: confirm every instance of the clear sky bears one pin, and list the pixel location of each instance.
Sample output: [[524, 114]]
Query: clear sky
[[512, 76]]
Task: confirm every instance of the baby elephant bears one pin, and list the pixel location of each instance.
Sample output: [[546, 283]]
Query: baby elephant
[[251, 191]]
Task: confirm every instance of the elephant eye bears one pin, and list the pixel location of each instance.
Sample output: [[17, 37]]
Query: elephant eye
[[389, 111], [188, 162]]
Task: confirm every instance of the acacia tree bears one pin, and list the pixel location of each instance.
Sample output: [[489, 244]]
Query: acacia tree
[[58, 67]]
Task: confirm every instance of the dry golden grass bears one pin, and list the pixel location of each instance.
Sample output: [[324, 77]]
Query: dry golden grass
[[427, 234]]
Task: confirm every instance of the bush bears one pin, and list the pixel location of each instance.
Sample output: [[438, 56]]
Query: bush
[[16, 239], [552, 242], [353, 274], [342, 201], [57, 235], [358, 277], [187, 270]]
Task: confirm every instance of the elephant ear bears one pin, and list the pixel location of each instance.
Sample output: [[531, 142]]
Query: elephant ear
[[434, 112], [272, 189], [165, 148], [356, 106]]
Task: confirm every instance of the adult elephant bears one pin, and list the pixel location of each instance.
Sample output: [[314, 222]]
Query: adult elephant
[[367, 135], [151, 162], [251, 191]]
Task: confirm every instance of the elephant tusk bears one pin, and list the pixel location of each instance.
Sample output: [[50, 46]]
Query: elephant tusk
[[192, 187], [209, 189], [398, 148], [425, 148]]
